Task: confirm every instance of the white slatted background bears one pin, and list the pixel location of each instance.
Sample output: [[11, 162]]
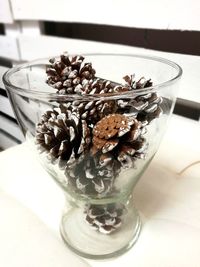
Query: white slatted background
[[157, 14], [23, 39], [5, 12]]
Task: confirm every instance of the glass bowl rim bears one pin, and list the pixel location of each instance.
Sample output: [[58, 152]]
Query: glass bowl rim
[[127, 94]]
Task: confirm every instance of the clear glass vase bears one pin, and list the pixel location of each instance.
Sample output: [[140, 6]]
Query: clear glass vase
[[97, 146]]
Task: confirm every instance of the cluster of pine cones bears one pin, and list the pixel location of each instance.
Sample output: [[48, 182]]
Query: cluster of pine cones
[[93, 140]]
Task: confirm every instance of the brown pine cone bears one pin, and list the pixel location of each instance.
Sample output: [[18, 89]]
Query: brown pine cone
[[93, 111], [104, 218], [62, 134], [153, 108], [94, 175], [140, 84], [102, 86], [69, 73], [121, 136], [145, 107]]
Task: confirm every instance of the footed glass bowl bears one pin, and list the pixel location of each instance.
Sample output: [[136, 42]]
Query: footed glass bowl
[[95, 133]]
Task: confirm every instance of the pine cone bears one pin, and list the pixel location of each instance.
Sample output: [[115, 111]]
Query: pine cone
[[62, 134], [145, 107], [69, 74], [140, 84], [121, 136], [105, 218], [94, 175], [97, 86], [152, 107], [93, 111]]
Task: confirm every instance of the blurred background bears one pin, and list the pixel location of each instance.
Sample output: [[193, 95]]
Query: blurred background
[[31, 29]]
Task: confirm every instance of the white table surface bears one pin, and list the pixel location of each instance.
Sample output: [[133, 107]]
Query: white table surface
[[168, 200]]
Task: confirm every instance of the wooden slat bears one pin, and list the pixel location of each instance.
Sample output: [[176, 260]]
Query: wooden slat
[[6, 141], [5, 106], [11, 128], [187, 109], [8, 47], [5, 12], [45, 46], [2, 30], [154, 14], [175, 41]]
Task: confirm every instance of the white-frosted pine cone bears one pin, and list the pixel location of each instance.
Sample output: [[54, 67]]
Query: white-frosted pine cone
[[122, 137], [68, 73], [94, 175], [105, 218], [62, 134], [145, 107]]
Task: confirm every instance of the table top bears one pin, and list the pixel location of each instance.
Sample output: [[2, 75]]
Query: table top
[[167, 196]]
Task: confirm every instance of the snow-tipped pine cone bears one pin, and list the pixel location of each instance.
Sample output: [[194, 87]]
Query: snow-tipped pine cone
[[62, 135], [122, 137], [69, 73], [93, 110], [102, 86], [105, 218], [94, 175], [151, 107], [134, 85], [145, 107]]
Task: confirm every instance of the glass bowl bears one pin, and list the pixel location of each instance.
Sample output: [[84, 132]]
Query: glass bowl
[[95, 143]]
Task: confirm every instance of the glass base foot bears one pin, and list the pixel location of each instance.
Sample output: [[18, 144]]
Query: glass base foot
[[88, 242]]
